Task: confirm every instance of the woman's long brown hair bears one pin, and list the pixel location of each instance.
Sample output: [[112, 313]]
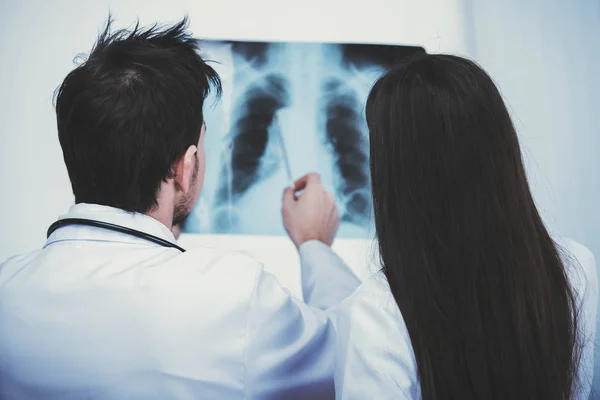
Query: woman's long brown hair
[[479, 281]]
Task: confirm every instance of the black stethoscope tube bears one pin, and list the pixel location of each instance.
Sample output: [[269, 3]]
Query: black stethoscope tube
[[112, 227]]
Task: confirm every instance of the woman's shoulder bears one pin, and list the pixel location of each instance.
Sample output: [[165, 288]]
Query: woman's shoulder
[[373, 298], [374, 288], [580, 265], [374, 353], [577, 251]]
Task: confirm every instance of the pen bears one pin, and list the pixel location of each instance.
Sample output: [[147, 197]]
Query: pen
[[284, 153]]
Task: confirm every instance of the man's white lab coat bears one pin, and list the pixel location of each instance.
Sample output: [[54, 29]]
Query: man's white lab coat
[[98, 314]]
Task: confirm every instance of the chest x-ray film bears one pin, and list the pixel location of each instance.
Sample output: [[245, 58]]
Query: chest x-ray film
[[303, 99]]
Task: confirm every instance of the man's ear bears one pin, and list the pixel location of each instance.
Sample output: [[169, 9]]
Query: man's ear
[[184, 169]]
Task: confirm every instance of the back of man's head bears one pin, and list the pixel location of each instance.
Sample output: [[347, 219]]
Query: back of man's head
[[130, 111]]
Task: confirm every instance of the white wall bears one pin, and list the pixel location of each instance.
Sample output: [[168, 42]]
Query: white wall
[[544, 54]]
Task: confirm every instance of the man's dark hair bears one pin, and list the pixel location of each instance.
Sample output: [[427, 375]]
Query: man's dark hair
[[130, 111]]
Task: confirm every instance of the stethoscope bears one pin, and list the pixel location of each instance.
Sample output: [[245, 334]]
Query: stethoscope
[[112, 227]]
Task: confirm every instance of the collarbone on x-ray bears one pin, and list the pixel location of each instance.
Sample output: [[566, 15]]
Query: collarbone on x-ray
[[317, 93]]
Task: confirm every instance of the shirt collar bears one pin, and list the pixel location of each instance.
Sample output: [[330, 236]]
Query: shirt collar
[[137, 221]]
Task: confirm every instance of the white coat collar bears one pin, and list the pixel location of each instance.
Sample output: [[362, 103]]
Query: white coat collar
[[137, 221]]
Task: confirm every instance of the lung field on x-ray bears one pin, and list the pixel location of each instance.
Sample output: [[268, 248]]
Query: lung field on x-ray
[[257, 98], [318, 91]]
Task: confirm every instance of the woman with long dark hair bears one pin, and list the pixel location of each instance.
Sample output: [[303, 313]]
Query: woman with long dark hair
[[474, 299]]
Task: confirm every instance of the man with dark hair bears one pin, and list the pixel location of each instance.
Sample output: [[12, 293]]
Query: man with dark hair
[[111, 307]]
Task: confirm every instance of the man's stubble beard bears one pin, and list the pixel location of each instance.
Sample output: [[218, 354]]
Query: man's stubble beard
[[184, 207]]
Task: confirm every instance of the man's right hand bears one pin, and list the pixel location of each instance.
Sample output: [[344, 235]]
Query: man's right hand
[[313, 215]]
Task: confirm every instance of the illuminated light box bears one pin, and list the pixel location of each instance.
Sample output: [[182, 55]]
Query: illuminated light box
[[303, 99]]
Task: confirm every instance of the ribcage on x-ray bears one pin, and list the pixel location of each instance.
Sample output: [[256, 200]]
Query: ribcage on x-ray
[[250, 130], [257, 100]]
